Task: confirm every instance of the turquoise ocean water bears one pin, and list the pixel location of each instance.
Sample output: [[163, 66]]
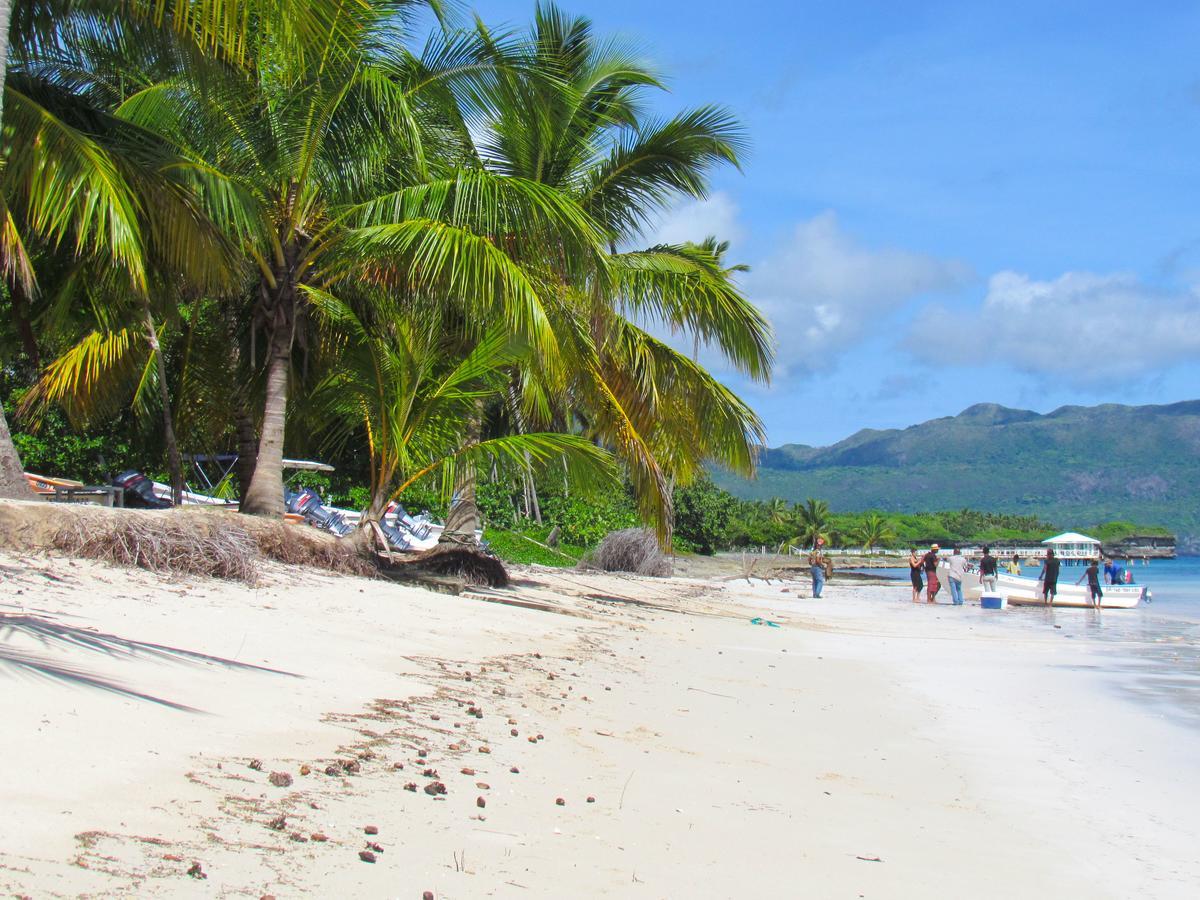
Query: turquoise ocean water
[[1151, 653]]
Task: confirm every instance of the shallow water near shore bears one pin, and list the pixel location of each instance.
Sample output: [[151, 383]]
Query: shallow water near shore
[[1150, 654]]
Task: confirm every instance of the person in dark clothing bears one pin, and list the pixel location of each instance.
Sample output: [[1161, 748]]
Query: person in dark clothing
[[915, 564], [1049, 577], [987, 571], [1092, 574]]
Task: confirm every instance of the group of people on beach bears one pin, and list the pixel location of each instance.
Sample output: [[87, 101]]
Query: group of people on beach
[[923, 571]]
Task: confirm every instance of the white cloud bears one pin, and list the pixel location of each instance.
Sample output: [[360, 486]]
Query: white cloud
[[1084, 329], [694, 220], [823, 290]]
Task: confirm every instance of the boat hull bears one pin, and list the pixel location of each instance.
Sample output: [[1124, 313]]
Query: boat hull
[[1028, 592]]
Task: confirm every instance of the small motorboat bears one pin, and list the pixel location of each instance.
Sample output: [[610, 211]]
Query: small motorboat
[[1022, 591]]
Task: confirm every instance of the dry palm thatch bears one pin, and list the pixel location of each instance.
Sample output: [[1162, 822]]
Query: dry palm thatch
[[630, 550], [164, 544]]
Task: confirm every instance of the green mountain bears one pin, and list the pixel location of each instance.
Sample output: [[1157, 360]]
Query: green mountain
[[1075, 466]]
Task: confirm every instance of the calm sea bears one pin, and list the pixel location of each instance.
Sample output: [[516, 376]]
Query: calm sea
[[1153, 651]]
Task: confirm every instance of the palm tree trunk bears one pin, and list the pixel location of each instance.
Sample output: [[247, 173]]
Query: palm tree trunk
[[264, 497], [247, 445], [174, 460], [13, 485]]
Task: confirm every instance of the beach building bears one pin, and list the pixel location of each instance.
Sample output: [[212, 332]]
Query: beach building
[[1071, 545]]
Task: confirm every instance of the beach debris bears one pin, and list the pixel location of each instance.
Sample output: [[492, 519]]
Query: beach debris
[[485, 749], [319, 837], [512, 721], [305, 770], [531, 739], [869, 858], [428, 895], [591, 799], [480, 802], [255, 764], [515, 770], [196, 872], [434, 788], [267, 897], [483, 785], [397, 765], [366, 856], [629, 550], [371, 845], [758, 620], [280, 779], [430, 773], [540, 736], [172, 857], [298, 837], [351, 766], [411, 786], [513, 732], [560, 802], [279, 823], [366, 754], [435, 717], [332, 770], [467, 677], [371, 829], [467, 770]]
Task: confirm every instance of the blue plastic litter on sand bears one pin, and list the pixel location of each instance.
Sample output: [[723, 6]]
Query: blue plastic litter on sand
[[760, 621]]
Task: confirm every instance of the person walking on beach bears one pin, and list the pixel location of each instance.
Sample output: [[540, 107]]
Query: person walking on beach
[[932, 585], [958, 567], [1092, 574], [822, 567], [1049, 577], [915, 563], [987, 571]]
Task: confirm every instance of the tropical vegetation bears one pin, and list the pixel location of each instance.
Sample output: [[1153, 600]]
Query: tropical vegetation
[[352, 229]]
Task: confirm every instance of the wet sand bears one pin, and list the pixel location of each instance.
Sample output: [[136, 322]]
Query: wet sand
[[865, 748]]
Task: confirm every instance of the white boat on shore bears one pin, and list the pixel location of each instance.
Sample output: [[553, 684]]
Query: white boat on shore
[[1023, 591]]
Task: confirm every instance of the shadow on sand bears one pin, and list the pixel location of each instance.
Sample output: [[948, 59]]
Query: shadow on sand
[[54, 634]]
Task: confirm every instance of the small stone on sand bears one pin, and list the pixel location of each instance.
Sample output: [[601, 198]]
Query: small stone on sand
[[319, 837], [305, 770], [591, 799], [371, 829], [467, 771], [560, 802], [366, 856], [280, 779], [256, 765], [196, 872], [480, 802]]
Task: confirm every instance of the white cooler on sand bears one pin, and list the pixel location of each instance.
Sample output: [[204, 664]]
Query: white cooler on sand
[[993, 601]]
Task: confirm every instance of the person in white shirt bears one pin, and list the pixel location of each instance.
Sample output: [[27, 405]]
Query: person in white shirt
[[957, 564]]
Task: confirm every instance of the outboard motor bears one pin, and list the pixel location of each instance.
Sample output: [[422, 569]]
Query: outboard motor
[[308, 503], [139, 491], [419, 527]]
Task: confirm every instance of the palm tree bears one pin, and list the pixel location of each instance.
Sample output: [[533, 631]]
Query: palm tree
[[813, 518], [333, 172], [564, 111], [396, 378], [776, 511], [873, 531], [77, 186]]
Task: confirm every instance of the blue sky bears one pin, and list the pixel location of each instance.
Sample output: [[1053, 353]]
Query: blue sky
[[946, 203]]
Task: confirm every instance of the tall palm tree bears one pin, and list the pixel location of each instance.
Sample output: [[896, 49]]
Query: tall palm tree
[[336, 174], [79, 180], [564, 110]]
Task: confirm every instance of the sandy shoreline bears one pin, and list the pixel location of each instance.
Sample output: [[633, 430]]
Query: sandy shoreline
[[968, 756]]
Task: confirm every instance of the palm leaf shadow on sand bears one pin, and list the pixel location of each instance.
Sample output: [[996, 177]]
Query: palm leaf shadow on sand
[[50, 633]]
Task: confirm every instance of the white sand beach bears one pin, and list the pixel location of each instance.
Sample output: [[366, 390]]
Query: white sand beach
[[866, 748]]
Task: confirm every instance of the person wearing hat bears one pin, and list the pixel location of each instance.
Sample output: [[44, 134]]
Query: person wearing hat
[[932, 585], [822, 567]]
